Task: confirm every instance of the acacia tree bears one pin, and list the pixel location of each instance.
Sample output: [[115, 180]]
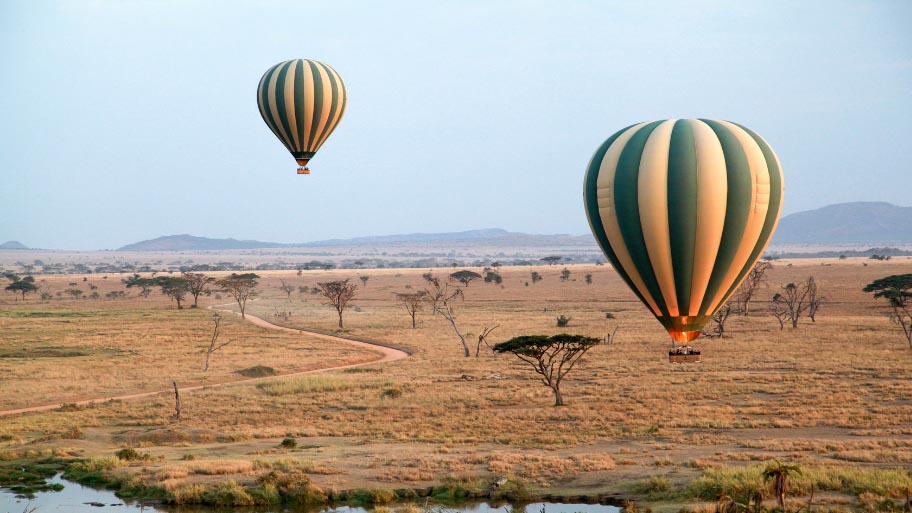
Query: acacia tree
[[198, 283], [565, 275], [364, 279], [413, 302], [241, 287], [24, 286], [897, 290], [145, 284], [551, 260], [338, 294], [754, 280], [551, 357], [173, 287], [465, 277], [442, 301], [588, 278]]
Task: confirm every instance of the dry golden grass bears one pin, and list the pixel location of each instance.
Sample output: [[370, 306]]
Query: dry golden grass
[[834, 392]]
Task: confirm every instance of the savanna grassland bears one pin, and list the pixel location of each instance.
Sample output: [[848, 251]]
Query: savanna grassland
[[834, 396]]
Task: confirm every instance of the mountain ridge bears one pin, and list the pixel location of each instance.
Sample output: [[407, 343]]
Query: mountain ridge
[[860, 222], [863, 222]]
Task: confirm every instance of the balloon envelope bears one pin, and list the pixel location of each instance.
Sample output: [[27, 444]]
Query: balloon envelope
[[683, 209], [302, 102]]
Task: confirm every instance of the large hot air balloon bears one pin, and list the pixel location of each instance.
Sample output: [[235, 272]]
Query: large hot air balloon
[[683, 209], [302, 101]]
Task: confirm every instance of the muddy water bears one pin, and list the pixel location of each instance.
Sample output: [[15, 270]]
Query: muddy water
[[75, 498]]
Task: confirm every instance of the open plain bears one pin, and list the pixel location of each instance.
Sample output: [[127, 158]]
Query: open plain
[[834, 395]]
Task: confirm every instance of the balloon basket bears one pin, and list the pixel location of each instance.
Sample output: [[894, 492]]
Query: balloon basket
[[303, 171], [684, 354]]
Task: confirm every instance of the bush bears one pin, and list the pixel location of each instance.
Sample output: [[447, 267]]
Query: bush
[[228, 493], [391, 393], [293, 487], [289, 443], [257, 371], [563, 321], [131, 454]]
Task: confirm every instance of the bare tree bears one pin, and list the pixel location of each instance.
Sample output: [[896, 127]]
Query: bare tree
[[286, 287], [177, 401], [754, 280], [338, 294], [482, 339], [795, 299], [197, 284], [241, 287], [780, 312], [442, 300], [814, 301], [551, 357], [213, 341], [413, 302], [719, 318]]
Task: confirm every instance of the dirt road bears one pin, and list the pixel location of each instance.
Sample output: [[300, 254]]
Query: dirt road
[[387, 354]]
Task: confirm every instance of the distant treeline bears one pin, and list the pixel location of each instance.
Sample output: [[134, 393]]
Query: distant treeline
[[873, 253]]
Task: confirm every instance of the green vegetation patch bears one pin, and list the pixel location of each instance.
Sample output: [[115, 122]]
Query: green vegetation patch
[[741, 482], [305, 384], [29, 477], [40, 314], [24, 351]]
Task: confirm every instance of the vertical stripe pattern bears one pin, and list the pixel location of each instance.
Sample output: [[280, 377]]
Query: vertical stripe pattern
[[302, 102], [683, 209]]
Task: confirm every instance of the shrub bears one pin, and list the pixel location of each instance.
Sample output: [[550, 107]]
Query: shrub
[[391, 393], [257, 371], [563, 321], [289, 443], [293, 487], [130, 454], [228, 493]]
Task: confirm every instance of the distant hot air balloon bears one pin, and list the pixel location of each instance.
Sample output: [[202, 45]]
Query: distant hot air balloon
[[683, 209], [302, 102]]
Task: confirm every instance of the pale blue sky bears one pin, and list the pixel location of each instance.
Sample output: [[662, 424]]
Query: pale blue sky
[[122, 121]]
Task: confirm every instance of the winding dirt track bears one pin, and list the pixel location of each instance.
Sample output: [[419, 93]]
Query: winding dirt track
[[388, 354]]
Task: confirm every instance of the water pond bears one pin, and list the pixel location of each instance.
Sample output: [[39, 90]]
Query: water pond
[[75, 498]]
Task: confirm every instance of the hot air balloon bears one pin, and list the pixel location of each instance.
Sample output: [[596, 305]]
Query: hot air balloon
[[302, 102], [683, 209]]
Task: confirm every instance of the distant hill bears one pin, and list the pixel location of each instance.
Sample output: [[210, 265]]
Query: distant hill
[[856, 222], [191, 243], [488, 233], [13, 244]]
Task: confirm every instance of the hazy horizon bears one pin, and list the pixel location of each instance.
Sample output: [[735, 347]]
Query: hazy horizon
[[128, 121]]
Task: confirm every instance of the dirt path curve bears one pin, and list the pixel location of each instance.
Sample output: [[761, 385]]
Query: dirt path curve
[[387, 354]]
